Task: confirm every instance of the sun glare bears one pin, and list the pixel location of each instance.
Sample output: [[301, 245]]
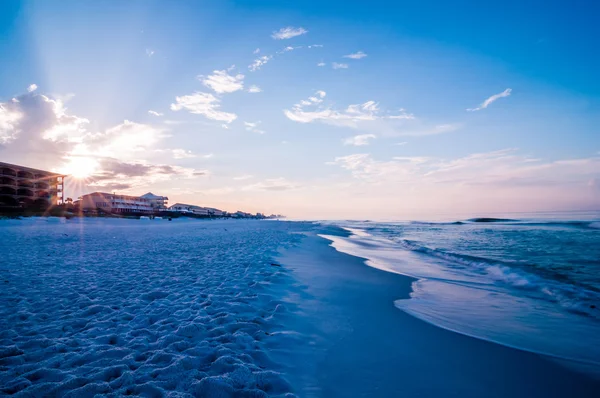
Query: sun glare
[[80, 167]]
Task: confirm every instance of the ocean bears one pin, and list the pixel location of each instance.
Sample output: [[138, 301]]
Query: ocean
[[529, 281]]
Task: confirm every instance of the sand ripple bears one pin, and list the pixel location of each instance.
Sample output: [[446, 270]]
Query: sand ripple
[[121, 307]]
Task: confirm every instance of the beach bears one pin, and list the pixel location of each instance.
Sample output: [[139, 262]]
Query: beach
[[231, 309]]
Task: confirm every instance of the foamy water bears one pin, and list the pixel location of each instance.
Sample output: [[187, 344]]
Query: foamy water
[[532, 284], [130, 307]]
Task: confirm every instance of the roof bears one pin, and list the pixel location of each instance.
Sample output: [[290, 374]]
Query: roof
[[150, 195], [29, 169], [111, 194]]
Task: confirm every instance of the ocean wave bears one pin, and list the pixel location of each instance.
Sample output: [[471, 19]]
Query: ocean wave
[[536, 223], [583, 300], [491, 219]]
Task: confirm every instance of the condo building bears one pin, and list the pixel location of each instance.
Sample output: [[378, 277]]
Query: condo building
[[22, 186]]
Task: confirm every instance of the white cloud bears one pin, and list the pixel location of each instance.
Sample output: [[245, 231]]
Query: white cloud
[[400, 143], [321, 64], [32, 116], [315, 46], [203, 104], [154, 113], [42, 133], [259, 62], [359, 140], [243, 177], [32, 88], [221, 82], [350, 117], [150, 52], [256, 51], [356, 55], [288, 33], [335, 65], [272, 184], [290, 48], [499, 171], [491, 99], [254, 89], [437, 129], [182, 154], [253, 127]]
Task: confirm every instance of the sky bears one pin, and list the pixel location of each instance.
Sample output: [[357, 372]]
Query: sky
[[312, 109]]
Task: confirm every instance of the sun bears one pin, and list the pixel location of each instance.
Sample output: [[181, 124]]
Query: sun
[[80, 167]]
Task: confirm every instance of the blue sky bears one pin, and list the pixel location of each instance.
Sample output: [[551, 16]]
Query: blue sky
[[378, 109]]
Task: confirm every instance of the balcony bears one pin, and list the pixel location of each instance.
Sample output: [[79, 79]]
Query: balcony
[[25, 184], [25, 174], [8, 172], [7, 191], [4, 180], [25, 192]]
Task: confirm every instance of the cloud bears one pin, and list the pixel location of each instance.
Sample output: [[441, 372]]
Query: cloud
[[254, 89], [150, 52], [36, 123], [221, 82], [289, 48], [335, 65], [32, 88], [203, 104], [127, 140], [243, 177], [182, 154], [428, 130], [400, 143], [114, 174], [38, 130], [154, 113], [272, 184], [321, 64], [356, 55], [491, 99], [253, 127], [259, 62], [288, 33], [501, 169], [349, 117], [256, 51], [359, 140]]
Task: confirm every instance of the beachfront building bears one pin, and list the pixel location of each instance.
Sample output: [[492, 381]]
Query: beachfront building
[[113, 203], [157, 202], [22, 186], [196, 210], [189, 209]]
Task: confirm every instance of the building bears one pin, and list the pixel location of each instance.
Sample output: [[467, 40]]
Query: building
[[22, 186], [196, 210], [113, 203], [157, 202], [189, 209]]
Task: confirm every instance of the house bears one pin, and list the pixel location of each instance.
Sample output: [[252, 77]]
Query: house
[[196, 210], [113, 203], [22, 186], [157, 202]]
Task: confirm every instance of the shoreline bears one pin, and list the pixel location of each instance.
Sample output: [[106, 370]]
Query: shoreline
[[361, 344]]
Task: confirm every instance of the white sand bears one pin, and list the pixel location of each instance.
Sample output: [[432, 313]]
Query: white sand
[[105, 306], [196, 308]]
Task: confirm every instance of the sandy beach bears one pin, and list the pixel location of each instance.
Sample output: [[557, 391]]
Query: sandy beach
[[362, 345], [230, 309]]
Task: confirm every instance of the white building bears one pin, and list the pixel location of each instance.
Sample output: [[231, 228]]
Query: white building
[[196, 210], [113, 203], [157, 202]]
